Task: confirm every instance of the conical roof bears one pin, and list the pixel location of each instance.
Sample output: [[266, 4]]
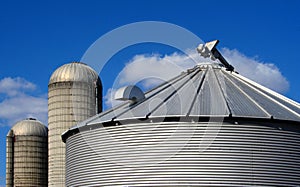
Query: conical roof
[[205, 91]]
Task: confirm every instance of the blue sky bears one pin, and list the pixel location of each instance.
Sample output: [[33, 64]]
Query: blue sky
[[36, 37]]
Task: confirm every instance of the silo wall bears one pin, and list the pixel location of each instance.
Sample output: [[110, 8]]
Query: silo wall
[[27, 161], [239, 153], [68, 103]]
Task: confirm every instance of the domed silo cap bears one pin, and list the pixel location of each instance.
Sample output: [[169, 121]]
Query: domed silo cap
[[75, 72], [29, 127]]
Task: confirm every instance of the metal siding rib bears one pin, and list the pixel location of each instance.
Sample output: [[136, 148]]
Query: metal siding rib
[[171, 154]]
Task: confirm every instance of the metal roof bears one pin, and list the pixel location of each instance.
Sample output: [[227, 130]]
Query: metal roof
[[74, 72], [29, 127], [207, 90]]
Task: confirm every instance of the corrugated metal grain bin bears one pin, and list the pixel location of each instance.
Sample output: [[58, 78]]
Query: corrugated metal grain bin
[[207, 126]]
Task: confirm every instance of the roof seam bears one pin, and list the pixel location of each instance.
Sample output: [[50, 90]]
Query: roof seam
[[167, 98], [258, 105], [126, 103], [198, 90], [258, 86], [270, 98], [171, 80], [222, 92], [168, 84]]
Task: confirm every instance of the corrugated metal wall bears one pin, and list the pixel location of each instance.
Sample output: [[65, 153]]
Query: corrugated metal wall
[[69, 103], [30, 164], [185, 154]]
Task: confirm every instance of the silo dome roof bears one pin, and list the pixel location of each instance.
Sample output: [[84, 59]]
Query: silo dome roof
[[74, 72], [29, 127]]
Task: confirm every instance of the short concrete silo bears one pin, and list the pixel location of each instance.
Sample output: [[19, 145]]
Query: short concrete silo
[[75, 93], [27, 154]]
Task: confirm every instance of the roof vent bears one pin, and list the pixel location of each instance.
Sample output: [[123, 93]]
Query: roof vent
[[30, 118], [131, 92]]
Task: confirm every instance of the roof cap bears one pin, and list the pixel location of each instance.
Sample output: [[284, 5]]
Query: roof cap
[[74, 72], [28, 127]]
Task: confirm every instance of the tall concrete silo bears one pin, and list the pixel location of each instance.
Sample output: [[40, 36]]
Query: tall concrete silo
[[27, 154], [75, 93], [209, 126]]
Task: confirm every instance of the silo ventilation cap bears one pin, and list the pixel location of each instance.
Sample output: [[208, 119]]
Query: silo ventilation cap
[[32, 119], [132, 93]]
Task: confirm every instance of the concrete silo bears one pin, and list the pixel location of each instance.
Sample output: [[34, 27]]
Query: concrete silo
[[27, 154], [75, 93], [209, 126]]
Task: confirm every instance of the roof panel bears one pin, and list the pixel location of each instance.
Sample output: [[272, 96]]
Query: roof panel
[[206, 90], [154, 100], [239, 102], [273, 107], [210, 100], [276, 96], [178, 104]]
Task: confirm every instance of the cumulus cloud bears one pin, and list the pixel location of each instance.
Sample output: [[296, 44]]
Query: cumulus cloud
[[154, 69], [18, 101], [14, 86], [148, 71], [151, 70], [109, 100], [266, 74]]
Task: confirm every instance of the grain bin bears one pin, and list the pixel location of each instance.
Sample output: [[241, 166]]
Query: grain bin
[[209, 126]]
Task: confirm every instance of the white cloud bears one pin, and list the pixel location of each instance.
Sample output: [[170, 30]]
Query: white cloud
[[150, 70], [14, 86], [148, 67], [156, 67], [109, 100], [19, 102], [266, 74]]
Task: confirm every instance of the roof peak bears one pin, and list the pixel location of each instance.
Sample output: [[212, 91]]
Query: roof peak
[[77, 62], [209, 50]]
